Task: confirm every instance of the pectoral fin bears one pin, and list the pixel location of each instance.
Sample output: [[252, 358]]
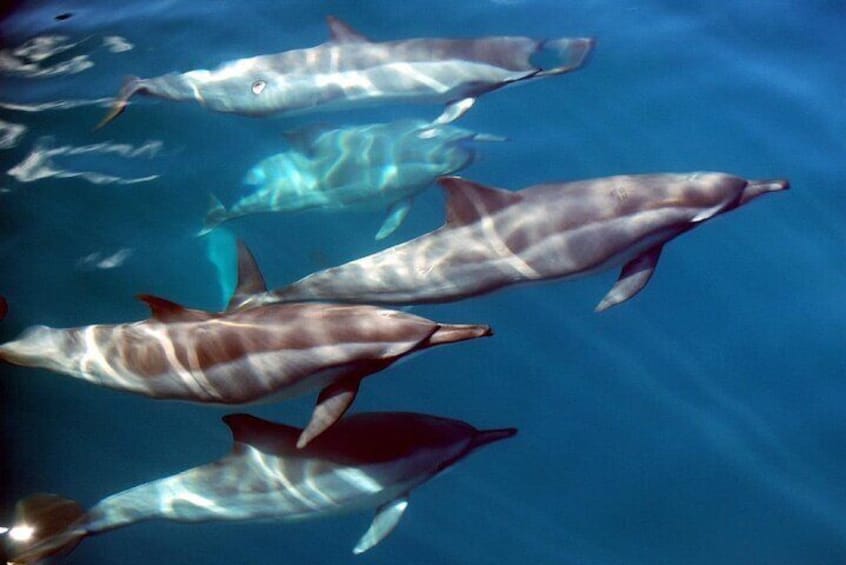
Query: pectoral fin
[[387, 517], [634, 276], [396, 214], [331, 405], [454, 110]]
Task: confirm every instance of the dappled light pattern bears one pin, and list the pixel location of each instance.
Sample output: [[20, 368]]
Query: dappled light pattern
[[493, 238], [241, 355], [349, 71], [266, 476], [373, 165]]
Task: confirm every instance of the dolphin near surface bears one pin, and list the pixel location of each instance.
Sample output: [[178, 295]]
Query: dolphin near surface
[[363, 166], [241, 355], [350, 71], [367, 461], [493, 238]]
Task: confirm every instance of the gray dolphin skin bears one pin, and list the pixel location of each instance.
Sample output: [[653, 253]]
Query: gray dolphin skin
[[367, 461], [364, 166], [241, 355], [349, 71], [493, 238]]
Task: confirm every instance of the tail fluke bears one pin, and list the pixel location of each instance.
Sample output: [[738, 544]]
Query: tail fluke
[[45, 525], [130, 87]]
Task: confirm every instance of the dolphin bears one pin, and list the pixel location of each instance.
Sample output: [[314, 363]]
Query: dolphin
[[364, 166], [494, 238], [350, 71], [241, 355], [370, 460]]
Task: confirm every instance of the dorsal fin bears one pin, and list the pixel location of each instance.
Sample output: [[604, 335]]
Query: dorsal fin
[[164, 310], [468, 201], [250, 281], [342, 32], [265, 436]]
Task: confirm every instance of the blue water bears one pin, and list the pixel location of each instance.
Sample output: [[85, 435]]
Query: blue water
[[702, 422]]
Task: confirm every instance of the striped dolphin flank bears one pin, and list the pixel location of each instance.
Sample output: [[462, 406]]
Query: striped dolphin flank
[[241, 355], [349, 71], [368, 461], [493, 238]]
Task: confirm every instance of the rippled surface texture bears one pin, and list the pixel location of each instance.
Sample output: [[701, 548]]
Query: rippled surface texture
[[700, 422]]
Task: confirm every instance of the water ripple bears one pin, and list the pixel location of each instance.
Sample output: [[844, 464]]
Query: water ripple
[[100, 260], [39, 163], [32, 58], [10, 134], [55, 104]]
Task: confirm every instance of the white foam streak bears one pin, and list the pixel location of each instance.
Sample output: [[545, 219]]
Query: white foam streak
[[117, 44], [39, 163], [31, 59], [10, 134], [55, 105], [99, 260], [27, 59]]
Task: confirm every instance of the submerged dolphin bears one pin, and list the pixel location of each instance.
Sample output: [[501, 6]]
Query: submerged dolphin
[[493, 238], [366, 461], [241, 355], [374, 165], [350, 71]]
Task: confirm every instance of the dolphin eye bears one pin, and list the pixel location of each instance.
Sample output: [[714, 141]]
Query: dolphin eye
[[258, 87]]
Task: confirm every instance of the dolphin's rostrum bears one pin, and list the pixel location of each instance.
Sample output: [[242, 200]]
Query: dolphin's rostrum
[[367, 461]]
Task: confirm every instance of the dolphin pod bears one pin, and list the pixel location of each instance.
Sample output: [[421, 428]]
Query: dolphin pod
[[326, 332], [372, 165], [494, 238], [350, 71], [240, 356], [343, 470]]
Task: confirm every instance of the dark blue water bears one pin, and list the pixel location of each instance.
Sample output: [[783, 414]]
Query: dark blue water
[[702, 422]]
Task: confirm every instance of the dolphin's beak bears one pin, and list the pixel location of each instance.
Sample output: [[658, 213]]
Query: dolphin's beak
[[484, 437], [758, 187]]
